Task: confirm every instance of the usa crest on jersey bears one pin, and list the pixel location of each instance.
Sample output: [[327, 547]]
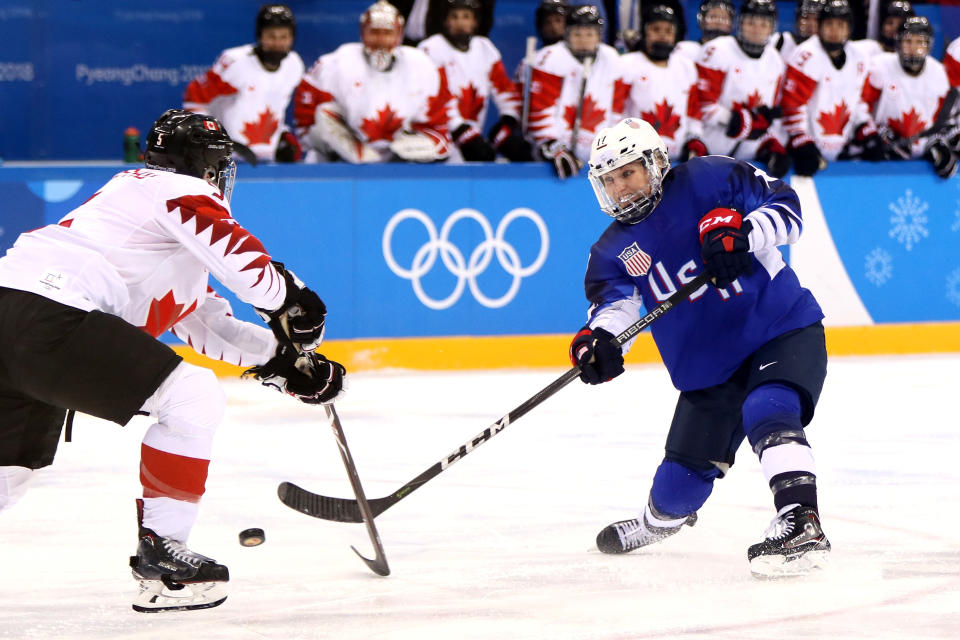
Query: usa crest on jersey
[[636, 261]]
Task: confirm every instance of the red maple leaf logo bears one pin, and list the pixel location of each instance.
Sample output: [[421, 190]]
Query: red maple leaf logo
[[383, 127], [470, 102], [753, 101], [663, 119], [589, 118], [260, 131], [164, 313], [833, 123], [909, 124]]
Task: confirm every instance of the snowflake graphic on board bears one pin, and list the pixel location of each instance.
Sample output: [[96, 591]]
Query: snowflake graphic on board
[[953, 287], [878, 266], [909, 219]]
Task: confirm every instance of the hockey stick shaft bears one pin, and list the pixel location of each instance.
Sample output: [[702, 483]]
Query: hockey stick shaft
[[345, 510], [575, 133], [527, 78]]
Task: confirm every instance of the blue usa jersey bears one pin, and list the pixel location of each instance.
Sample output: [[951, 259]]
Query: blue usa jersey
[[704, 340]]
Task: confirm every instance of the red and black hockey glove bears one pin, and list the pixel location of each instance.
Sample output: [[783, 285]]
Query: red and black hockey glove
[[693, 148], [724, 245], [507, 139], [600, 358], [472, 145], [565, 163], [806, 157], [288, 148], [868, 139], [750, 124], [774, 157]]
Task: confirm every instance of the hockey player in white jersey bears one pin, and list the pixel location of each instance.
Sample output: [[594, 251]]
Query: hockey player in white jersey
[[951, 63], [81, 305], [249, 87], [474, 73], [892, 15], [375, 100], [715, 19], [739, 78], [823, 112], [663, 84], [905, 91], [576, 89], [806, 14]]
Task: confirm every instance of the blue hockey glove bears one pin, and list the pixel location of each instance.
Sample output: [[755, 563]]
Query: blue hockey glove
[[600, 359], [724, 245]]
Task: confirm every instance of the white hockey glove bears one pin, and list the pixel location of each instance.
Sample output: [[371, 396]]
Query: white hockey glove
[[331, 133], [413, 146]]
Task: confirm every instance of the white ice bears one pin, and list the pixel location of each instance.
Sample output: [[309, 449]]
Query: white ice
[[501, 545]]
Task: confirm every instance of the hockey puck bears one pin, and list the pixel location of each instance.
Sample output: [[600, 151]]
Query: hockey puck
[[252, 537]]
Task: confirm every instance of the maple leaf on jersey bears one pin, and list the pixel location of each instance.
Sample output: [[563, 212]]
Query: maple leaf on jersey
[[470, 102], [164, 313], [663, 119], [908, 125], [589, 118], [383, 126], [753, 100], [260, 131], [833, 123]]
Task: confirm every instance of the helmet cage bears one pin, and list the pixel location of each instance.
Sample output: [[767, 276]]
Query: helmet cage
[[706, 32], [915, 26], [632, 140], [192, 144], [757, 9], [381, 15]]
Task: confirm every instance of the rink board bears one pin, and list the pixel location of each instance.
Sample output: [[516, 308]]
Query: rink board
[[431, 267]]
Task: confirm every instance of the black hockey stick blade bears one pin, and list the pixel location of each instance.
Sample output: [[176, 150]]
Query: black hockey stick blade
[[346, 510]]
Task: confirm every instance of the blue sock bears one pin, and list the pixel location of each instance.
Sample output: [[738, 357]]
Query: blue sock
[[679, 490]]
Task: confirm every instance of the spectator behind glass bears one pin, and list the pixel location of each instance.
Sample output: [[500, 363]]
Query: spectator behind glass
[[567, 108], [663, 83], [374, 100], [249, 87], [739, 78], [474, 71], [715, 19]]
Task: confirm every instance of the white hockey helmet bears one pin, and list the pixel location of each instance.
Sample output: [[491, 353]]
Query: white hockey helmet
[[379, 47], [628, 141]]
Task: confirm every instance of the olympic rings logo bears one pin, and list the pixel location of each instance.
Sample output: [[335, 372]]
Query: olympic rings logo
[[466, 271]]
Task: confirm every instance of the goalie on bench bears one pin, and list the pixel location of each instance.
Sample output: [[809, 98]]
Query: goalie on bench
[[129, 264], [747, 354]]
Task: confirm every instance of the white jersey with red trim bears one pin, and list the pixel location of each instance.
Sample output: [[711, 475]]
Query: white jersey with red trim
[[822, 101], [249, 101], [785, 42], [689, 49], [951, 63], [728, 79], [903, 103], [473, 76], [143, 248], [555, 83], [666, 97], [868, 47], [376, 105]]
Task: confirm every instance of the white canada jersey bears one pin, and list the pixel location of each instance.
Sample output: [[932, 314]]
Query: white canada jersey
[[666, 97], [902, 103], [868, 47], [785, 43], [951, 63], [555, 81], [689, 49], [822, 101], [411, 95], [473, 76], [728, 79], [143, 248], [249, 101]]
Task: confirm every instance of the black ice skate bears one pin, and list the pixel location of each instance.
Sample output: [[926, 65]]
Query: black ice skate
[[795, 545], [628, 535], [172, 577]]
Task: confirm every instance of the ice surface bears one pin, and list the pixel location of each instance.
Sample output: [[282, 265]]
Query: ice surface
[[501, 544]]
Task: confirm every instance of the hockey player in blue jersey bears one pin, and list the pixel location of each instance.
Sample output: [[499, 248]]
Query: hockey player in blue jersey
[[747, 353]]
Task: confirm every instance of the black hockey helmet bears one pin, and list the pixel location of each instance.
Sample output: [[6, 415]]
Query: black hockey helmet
[[550, 7], [584, 15], [760, 9], [836, 9], [805, 9], [705, 7], [460, 41], [660, 12], [896, 9], [899, 10], [192, 144], [275, 15], [914, 25]]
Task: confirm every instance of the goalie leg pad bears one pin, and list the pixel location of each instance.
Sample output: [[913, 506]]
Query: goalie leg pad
[[332, 133]]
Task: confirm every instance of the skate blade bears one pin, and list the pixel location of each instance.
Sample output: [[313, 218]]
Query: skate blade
[[155, 597], [775, 567]]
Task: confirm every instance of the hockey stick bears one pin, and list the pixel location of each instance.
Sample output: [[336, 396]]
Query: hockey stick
[[527, 79], [345, 510], [575, 133], [379, 564]]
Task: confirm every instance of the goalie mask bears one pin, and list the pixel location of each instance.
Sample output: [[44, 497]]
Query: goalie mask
[[381, 30], [194, 145], [627, 164]]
